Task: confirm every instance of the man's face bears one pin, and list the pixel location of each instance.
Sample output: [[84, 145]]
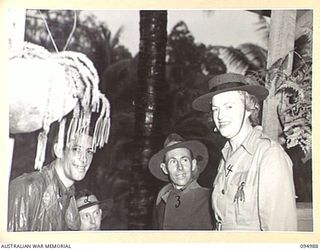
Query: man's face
[[179, 166], [228, 113], [90, 218], [77, 158]]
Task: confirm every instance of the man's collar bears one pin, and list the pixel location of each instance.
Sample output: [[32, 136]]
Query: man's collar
[[166, 190], [62, 188]]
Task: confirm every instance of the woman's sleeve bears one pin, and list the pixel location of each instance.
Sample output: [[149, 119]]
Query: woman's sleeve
[[276, 192]]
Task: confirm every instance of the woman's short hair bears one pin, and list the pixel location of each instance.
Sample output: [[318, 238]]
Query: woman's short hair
[[252, 105]]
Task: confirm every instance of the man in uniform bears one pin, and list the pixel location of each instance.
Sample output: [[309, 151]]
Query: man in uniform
[[182, 204]]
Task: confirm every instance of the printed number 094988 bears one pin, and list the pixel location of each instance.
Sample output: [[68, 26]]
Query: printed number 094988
[[309, 245]]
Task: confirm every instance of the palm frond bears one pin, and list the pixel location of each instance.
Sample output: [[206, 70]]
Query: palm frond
[[255, 54], [235, 60], [303, 50], [263, 27], [116, 37]]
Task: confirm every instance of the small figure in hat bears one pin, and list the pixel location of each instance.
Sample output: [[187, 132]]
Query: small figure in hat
[[254, 188], [90, 210], [182, 204]]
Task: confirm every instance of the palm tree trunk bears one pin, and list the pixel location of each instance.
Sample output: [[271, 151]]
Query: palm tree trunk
[[149, 114]]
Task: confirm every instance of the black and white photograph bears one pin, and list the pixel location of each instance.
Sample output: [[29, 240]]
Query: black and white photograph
[[160, 120]]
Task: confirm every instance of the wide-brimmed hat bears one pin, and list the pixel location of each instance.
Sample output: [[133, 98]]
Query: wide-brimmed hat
[[229, 82], [198, 149]]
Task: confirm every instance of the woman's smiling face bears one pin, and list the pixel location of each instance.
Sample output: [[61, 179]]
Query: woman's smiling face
[[228, 113]]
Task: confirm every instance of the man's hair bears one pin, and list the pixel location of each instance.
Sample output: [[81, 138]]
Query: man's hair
[[54, 136], [54, 132], [252, 105]]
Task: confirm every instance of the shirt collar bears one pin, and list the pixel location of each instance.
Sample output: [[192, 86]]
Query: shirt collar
[[248, 144], [62, 188], [164, 193]]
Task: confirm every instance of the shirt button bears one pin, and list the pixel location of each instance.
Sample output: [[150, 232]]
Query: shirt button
[[222, 191]]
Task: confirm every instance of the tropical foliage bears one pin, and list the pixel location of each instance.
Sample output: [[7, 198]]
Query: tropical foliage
[[72, 30], [244, 58], [295, 108], [188, 66]]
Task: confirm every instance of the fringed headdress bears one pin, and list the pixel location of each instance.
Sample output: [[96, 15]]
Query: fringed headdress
[[82, 79]]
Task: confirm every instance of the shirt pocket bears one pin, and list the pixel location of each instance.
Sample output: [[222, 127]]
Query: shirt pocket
[[244, 199]]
